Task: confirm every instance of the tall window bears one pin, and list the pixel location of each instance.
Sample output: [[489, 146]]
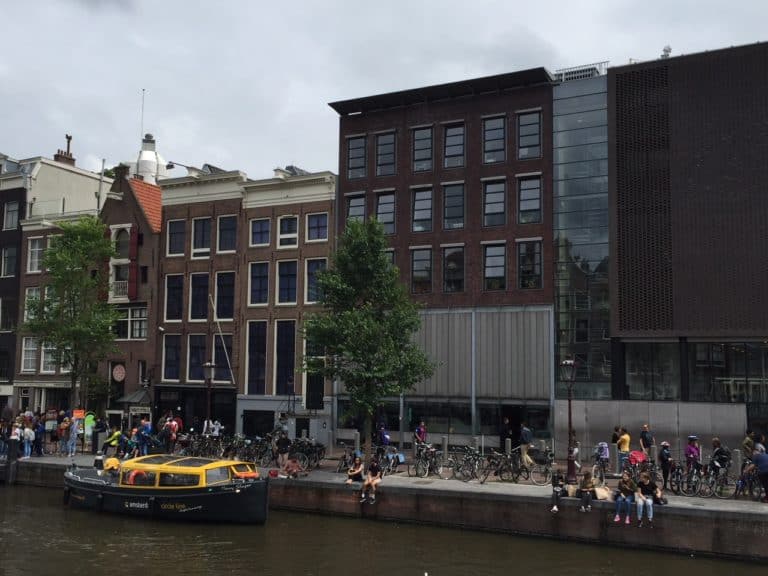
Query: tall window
[[122, 244], [385, 212], [31, 294], [529, 209], [227, 234], [259, 291], [222, 352], [454, 146], [11, 216], [317, 227], [356, 208], [286, 282], [453, 269], [494, 203], [494, 267], [8, 264], [257, 357], [422, 149], [422, 210], [421, 271], [47, 359], [529, 264], [201, 237], [225, 295], [198, 297], [171, 356], [494, 144], [453, 206], [196, 357], [385, 154], [29, 354], [260, 232], [174, 296], [7, 314], [356, 157], [313, 290], [35, 255], [529, 135], [176, 237], [285, 356], [288, 227]]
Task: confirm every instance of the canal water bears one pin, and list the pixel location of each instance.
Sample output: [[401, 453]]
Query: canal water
[[39, 536]]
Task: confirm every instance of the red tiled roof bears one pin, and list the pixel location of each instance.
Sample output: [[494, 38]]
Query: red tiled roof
[[149, 198]]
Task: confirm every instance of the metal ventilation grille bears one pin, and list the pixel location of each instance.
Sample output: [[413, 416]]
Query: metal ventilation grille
[[643, 201]]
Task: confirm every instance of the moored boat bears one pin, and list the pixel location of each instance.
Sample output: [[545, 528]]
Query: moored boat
[[172, 487]]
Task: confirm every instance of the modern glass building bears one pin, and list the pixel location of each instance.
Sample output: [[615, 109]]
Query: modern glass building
[[580, 161]]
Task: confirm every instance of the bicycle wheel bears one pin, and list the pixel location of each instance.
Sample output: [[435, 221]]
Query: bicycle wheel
[[675, 481], [541, 475], [507, 474], [301, 458], [448, 470], [707, 486], [523, 473], [690, 485], [266, 459], [422, 468], [725, 487]]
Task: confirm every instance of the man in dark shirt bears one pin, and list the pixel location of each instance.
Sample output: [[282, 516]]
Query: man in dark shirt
[[646, 490], [372, 480], [760, 462], [646, 439]]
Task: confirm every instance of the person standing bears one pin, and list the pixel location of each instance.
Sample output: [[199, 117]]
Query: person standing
[[615, 441], [760, 462], [29, 439], [74, 429], [623, 447], [420, 435], [747, 446], [505, 433], [646, 440], [665, 460], [526, 437]]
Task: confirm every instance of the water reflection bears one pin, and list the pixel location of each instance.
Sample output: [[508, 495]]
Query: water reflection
[[37, 535]]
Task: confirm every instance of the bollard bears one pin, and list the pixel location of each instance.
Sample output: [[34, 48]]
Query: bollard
[[13, 454], [357, 442], [98, 461], [737, 461], [475, 442], [508, 446], [445, 446]]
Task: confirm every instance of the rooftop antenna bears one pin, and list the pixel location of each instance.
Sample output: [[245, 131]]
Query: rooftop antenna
[[666, 51], [141, 134]]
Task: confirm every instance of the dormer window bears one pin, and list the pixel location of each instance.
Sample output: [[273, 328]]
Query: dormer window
[[122, 244]]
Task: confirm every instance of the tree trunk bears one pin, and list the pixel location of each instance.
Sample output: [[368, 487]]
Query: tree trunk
[[368, 431]]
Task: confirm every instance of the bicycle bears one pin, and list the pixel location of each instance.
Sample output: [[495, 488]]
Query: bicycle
[[541, 473], [428, 461], [346, 460], [600, 469]]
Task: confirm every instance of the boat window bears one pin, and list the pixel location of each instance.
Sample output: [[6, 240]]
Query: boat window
[[137, 478], [217, 475], [241, 468], [167, 479]]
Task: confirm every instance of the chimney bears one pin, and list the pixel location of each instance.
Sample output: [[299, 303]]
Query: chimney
[[65, 157], [148, 142], [121, 171]]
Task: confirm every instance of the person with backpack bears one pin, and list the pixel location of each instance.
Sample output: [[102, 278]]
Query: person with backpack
[[721, 457]]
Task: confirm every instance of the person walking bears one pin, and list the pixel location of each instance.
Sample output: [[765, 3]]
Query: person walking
[[526, 437]]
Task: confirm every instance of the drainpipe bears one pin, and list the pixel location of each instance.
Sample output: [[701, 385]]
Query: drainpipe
[[473, 389]]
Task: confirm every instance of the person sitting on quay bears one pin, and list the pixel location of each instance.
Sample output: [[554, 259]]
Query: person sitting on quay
[[355, 472], [587, 492], [372, 480], [293, 468], [647, 491], [558, 489], [624, 497]]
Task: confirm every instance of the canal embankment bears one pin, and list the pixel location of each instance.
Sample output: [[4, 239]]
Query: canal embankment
[[704, 527]]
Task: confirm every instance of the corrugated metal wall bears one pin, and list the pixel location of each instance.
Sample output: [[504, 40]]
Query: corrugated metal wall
[[513, 347]]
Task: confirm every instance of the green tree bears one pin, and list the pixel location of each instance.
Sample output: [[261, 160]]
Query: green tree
[[367, 325], [73, 316]]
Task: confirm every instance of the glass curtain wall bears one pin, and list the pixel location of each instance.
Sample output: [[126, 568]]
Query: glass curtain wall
[[580, 148]]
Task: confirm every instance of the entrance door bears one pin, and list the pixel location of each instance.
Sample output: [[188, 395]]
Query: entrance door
[[258, 422]]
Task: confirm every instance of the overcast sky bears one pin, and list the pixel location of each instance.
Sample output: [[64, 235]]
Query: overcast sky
[[245, 84]]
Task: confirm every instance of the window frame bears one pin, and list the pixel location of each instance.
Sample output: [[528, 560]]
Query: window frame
[[447, 164], [5, 259], [307, 278], [520, 114], [308, 227], [6, 213], [360, 171], [414, 193], [445, 250], [168, 236], [379, 154], [39, 254], [250, 232], [200, 253], [278, 280], [192, 296], [446, 186], [165, 304], [503, 139], [429, 268], [226, 354], [131, 320], [165, 358], [537, 255], [216, 316], [488, 280], [250, 284], [414, 149], [288, 236], [7, 316], [520, 200], [219, 249], [25, 350], [348, 205], [189, 366], [27, 290], [390, 227], [47, 355], [486, 204]]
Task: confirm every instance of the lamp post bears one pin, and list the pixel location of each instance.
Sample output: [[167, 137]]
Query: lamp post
[[568, 375], [208, 368]]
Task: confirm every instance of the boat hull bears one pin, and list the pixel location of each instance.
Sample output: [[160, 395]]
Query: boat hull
[[244, 503]]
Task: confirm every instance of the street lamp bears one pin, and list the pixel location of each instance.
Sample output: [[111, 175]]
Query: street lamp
[[568, 375], [191, 170], [208, 368]]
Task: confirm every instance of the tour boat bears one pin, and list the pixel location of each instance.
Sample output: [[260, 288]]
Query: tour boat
[[171, 487]]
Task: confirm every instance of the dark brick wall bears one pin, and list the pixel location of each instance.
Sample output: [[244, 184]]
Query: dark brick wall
[[688, 142], [470, 110]]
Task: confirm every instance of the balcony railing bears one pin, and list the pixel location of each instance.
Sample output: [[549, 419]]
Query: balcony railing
[[120, 289]]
